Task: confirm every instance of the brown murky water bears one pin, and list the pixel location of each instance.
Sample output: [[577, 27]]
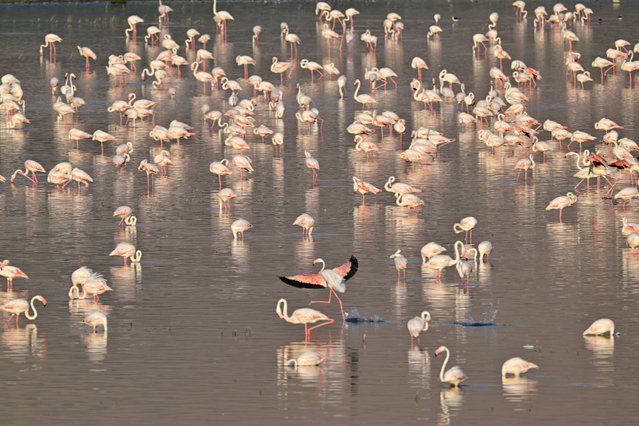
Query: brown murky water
[[193, 333]]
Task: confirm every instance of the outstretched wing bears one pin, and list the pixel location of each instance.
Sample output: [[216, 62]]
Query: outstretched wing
[[305, 281], [348, 269]]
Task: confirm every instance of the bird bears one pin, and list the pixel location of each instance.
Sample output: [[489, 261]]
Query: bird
[[10, 272], [431, 249], [516, 367], [225, 195], [312, 163], [32, 167], [441, 261], [418, 324], [306, 222], [524, 165], [601, 327], [95, 285], [363, 99], [223, 16], [304, 316], [364, 188], [127, 251], [333, 279], [561, 202], [455, 375], [238, 227], [485, 248], [306, 359], [466, 225], [123, 212], [49, 41], [400, 264], [629, 227], [220, 168], [16, 307], [87, 53], [399, 188], [94, 319], [133, 21]]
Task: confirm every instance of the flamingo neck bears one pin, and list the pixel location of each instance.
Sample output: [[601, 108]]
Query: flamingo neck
[[214, 7], [441, 372], [323, 264], [35, 313], [358, 84]]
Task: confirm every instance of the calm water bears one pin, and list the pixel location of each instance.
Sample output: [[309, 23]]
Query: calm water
[[193, 332]]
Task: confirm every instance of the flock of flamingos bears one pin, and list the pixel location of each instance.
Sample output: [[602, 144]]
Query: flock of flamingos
[[501, 120]]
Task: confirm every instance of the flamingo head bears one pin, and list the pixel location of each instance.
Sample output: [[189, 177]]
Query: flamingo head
[[318, 260], [439, 350], [41, 299]]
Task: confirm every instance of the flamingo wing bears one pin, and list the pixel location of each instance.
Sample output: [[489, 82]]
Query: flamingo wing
[[348, 269], [305, 281]]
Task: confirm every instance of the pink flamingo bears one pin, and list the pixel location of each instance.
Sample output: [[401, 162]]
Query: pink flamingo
[[516, 367], [11, 272], [466, 225], [127, 251], [87, 53], [304, 316], [49, 41], [133, 21], [333, 279], [30, 166], [20, 306]]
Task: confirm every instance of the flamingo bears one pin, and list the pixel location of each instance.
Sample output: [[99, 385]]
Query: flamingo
[[400, 264], [304, 316], [280, 68], [123, 212], [151, 169], [429, 250], [49, 41], [127, 251], [466, 225], [418, 324], [223, 16], [225, 195], [257, 30], [333, 279], [87, 53], [238, 227], [79, 277], [561, 202], [94, 319], [77, 135], [455, 375], [601, 327], [220, 168], [629, 227], [164, 11], [485, 248], [516, 367], [441, 261], [364, 188], [627, 194], [95, 285], [133, 21], [30, 166], [524, 165], [306, 359], [10, 272], [312, 164], [306, 222], [363, 99], [16, 307]]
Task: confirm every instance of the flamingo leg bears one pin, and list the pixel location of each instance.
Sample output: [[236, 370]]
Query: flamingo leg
[[330, 295]]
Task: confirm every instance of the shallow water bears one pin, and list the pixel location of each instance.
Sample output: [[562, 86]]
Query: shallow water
[[193, 335]]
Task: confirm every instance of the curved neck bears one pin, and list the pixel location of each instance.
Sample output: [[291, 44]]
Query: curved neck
[[532, 161], [441, 372], [35, 313], [74, 292], [358, 84], [323, 264], [398, 201], [215, 7], [389, 183], [284, 310], [419, 89], [457, 251]]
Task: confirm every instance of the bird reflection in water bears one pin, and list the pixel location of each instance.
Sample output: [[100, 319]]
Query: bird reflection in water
[[23, 342], [450, 401], [419, 368], [240, 252], [603, 350], [304, 253], [518, 389], [96, 346], [125, 280], [79, 307], [398, 299]]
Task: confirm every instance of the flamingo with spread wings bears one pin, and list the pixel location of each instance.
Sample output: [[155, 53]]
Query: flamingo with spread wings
[[333, 279]]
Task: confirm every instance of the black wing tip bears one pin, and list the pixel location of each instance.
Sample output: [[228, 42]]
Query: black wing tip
[[354, 267], [298, 284]]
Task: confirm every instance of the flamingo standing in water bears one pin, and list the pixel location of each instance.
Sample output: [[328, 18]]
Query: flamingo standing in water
[[306, 222], [561, 202], [516, 367], [30, 166], [220, 168], [87, 53], [304, 316], [455, 375], [400, 264], [95, 318], [418, 324], [429, 250], [49, 41], [20, 306], [600, 327], [123, 212], [133, 21], [364, 188], [10, 272], [313, 164], [127, 251], [222, 16], [333, 279], [466, 225], [441, 261]]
